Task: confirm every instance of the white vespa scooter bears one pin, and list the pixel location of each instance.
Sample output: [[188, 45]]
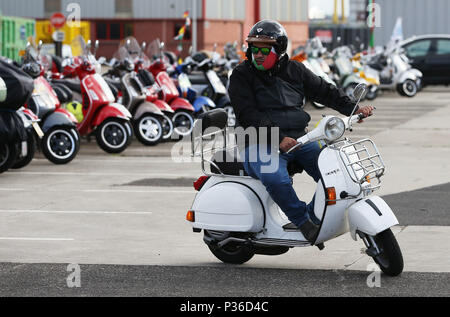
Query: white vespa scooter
[[240, 219]]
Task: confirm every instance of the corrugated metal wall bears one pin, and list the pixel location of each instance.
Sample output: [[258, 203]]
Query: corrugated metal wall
[[93, 8], [419, 17], [154, 9], [23, 8], [225, 9], [284, 10]]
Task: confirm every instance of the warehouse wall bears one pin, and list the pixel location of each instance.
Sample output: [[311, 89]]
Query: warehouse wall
[[156, 9], [23, 8], [419, 17]]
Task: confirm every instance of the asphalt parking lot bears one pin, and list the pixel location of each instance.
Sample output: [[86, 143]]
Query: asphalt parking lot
[[121, 219]]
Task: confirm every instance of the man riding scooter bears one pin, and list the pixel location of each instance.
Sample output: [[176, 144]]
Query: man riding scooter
[[267, 91]]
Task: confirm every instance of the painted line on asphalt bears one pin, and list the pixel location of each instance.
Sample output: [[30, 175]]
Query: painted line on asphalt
[[143, 175], [122, 161], [36, 239], [149, 191], [77, 212]]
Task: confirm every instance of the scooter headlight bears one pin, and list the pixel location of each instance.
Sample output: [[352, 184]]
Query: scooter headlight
[[334, 129]]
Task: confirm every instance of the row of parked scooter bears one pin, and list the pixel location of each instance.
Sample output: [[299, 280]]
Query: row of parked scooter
[[52, 103], [344, 67]]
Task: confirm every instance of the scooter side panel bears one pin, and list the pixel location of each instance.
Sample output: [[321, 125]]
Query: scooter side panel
[[203, 101], [147, 107], [228, 206], [370, 215], [163, 106], [70, 115], [181, 104], [409, 74], [111, 111]]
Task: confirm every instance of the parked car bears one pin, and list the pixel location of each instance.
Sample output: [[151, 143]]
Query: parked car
[[431, 55]]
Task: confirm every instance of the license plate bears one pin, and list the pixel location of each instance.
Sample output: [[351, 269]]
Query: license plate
[[38, 130]]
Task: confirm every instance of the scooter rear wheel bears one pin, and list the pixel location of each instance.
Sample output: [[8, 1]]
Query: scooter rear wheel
[[61, 145], [231, 253], [148, 130], [114, 135]]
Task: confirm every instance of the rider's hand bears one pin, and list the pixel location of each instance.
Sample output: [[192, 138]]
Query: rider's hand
[[367, 111], [287, 143]]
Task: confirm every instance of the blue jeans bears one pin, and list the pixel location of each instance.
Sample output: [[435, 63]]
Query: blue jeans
[[270, 168]]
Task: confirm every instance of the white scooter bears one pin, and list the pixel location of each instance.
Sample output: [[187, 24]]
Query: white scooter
[[240, 219]]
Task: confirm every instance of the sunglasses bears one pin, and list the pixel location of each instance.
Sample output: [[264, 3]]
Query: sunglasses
[[264, 50]]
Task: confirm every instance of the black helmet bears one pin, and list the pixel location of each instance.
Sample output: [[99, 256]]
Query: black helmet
[[271, 32]]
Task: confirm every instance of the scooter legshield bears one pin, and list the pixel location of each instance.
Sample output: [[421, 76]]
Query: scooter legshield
[[228, 206], [370, 215]]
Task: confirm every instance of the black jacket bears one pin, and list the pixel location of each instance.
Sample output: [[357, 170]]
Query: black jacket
[[273, 99]]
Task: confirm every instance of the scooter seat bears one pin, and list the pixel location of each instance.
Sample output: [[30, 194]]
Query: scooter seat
[[229, 164], [72, 84], [197, 79]]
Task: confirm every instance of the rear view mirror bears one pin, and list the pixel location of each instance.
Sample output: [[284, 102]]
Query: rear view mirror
[[360, 92]]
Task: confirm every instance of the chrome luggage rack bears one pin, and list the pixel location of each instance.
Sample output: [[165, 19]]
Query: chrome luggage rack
[[206, 145], [363, 162]]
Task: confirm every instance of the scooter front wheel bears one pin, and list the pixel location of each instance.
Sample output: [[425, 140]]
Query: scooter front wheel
[[61, 144], [114, 135], [389, 259]]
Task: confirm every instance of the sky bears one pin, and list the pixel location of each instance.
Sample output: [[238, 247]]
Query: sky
[[318, 8]]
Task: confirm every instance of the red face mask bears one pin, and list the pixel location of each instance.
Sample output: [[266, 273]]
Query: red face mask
[[269, 63]]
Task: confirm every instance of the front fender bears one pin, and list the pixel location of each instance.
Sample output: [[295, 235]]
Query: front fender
[[370, 215], [147, 107], [56, 119], [181, 104], [113, 110]]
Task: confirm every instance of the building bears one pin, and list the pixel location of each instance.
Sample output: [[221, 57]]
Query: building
[[418, 18], [218, 21]]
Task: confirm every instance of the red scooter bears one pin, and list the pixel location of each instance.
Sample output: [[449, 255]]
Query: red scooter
[[183, 120], [109, 121]]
